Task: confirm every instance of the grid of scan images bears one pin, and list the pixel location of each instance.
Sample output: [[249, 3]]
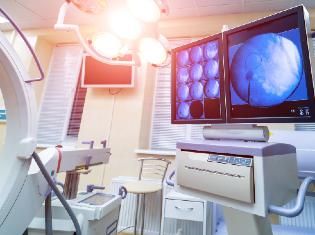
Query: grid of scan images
[[198, 82]]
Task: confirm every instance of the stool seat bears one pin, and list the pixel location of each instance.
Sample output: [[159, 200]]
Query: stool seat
[[150, 168], [141, 186]]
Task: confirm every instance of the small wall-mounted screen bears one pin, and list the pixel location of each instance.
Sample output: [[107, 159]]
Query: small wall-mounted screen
[[268, 70], [101, 75], [197, 82]]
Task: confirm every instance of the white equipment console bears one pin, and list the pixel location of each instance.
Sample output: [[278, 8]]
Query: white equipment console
[[97, 213], [245, 177]]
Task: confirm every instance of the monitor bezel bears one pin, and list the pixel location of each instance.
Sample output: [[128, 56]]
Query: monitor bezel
[[306, 40], [218, 37]]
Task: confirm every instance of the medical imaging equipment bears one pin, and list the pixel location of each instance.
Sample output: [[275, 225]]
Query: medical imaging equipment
[[27, 177], [268, 78], [198, 82], [268, 70], [267, 74], [97, 212]]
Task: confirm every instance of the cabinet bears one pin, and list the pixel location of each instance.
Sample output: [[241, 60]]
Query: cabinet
[[186, 215]]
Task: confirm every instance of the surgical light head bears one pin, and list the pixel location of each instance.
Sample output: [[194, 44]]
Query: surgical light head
[[131, 31]]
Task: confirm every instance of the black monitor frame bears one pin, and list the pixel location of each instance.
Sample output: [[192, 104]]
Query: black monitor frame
[[174, 51], [306, 42]]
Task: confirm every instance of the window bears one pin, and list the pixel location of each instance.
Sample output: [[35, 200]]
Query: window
[[77, 110], [62, 102], [164, 135]]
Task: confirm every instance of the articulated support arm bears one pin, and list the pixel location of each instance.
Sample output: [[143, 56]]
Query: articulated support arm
[[299, 204]]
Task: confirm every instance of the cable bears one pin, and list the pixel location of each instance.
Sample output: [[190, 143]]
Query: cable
[[58, 193], [114, 93], [132, 226], [109, 134], [169, 180], [30, 48], [48, 215]]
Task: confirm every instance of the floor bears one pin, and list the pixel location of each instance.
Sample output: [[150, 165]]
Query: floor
[[277, 230]]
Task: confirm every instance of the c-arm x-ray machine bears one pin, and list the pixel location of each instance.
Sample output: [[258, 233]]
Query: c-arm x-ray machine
[[23, 186]]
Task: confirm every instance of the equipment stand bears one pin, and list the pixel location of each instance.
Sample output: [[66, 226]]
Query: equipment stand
[[241, 223]]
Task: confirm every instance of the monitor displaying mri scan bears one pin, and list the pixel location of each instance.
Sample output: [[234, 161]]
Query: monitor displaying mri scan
[[259, 72], [268, 70], [197, 84]]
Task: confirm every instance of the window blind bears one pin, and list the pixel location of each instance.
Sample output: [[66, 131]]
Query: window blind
[[164, 135], [77, 110], [58, 96]]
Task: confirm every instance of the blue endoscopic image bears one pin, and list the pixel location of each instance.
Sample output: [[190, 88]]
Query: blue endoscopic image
[[183, 92], [266, 70], [183, 110], [196, 54], [196, 72], [211, 50], [196, 90], [212, 89], [211, 69], [183, 58], [182, 75]]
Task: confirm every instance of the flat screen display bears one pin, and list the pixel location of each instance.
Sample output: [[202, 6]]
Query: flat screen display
[[197, 82], [268, 70], [98, 74]]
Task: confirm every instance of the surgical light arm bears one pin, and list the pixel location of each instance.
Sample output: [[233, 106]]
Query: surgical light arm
[[60, 25]]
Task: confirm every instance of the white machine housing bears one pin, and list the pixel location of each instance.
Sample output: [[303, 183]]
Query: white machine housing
[[246, 176], [96, 218]]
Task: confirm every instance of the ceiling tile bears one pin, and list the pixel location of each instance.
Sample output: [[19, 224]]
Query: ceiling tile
[[263, 6], [203, 3], [253, 1], [45, 9], [179, 4], [184, 12], [306, 3], [16, 11], [219, 10]]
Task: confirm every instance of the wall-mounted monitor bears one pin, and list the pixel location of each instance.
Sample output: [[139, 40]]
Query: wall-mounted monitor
[[100, 75], [198, 82], [268, 70]]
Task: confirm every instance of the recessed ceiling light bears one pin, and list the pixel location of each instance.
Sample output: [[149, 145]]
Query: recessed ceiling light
[[3, 20]]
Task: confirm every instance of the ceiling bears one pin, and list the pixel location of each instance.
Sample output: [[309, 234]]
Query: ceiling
[[30, 14]]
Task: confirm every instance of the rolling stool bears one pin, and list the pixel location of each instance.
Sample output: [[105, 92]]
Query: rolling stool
[[155, 168]]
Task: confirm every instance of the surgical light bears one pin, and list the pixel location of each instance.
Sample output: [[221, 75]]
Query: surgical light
[[145, 10], [134, 31], [107, 44], [91, 6], [124, 24], [153, 51]]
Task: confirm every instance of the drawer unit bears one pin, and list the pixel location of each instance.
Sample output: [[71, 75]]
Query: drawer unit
[[184, 210]]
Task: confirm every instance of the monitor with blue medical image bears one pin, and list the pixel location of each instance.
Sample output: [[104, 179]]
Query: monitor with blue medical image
[[198, 82], [268, 70]]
